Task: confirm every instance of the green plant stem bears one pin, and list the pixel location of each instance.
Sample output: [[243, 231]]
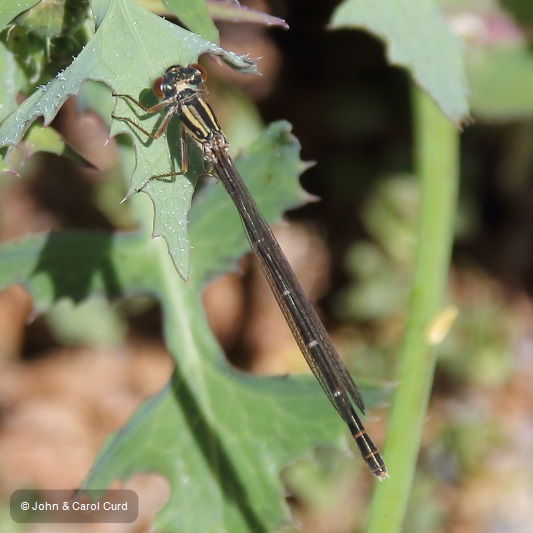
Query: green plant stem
[[437, 166]]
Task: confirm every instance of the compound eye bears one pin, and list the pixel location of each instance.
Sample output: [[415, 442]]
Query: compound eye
[[201, 70], [157, 87]]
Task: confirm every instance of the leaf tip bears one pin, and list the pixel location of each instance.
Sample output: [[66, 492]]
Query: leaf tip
[[129, 194]]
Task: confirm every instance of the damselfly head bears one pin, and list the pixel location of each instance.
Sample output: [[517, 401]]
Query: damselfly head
[[177, 78]]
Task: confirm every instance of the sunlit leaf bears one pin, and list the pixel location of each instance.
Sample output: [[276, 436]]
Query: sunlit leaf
[[416, 37]]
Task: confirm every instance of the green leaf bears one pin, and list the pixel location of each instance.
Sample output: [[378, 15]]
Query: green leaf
[[195, 15], [39, 139], [219, 436], [215, 227], [42, 40], [94, 322], [501, 79], [416, 37], [227, 447], [130, 48], [10, 83], [117, 265], [223, 441], [122, 264], [235, 12], [43, 264], [51, 18], [498, 55], [11, 8]]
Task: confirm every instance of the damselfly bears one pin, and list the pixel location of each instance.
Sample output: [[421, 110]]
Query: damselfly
[[180, 92]]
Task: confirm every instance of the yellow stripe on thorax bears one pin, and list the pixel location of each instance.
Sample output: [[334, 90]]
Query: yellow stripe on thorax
[[200, 119]]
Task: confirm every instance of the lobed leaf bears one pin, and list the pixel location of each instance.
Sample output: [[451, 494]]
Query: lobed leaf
[[130, 47], [416, 37], [194, 14], [220, 437]]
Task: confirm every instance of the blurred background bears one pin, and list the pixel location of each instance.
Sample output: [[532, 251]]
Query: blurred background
[[72, 376]]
